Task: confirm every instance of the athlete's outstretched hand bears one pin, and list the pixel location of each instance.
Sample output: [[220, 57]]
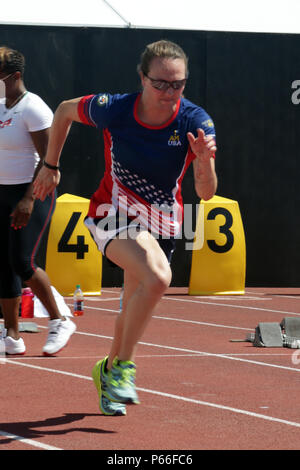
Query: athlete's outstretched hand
[[204, 147]]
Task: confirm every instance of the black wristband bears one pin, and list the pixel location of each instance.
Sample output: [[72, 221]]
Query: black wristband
[[51, 167]]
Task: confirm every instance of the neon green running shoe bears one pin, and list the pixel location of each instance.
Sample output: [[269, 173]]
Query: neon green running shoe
[[107, 407], [120, 386]]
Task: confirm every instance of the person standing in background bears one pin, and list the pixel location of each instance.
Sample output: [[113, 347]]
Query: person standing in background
[[25, 120]]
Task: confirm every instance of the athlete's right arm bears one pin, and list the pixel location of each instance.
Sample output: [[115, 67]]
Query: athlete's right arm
[[47, 179]]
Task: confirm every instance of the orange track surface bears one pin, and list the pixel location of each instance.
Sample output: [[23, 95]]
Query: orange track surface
[[198, 389]]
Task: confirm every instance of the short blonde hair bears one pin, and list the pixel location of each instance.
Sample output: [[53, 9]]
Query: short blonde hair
[[161, 49]]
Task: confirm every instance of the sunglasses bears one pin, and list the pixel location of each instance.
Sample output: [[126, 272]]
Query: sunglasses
[[164, 85]]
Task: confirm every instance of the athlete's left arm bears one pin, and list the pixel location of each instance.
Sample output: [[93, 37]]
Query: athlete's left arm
[[205, 178]]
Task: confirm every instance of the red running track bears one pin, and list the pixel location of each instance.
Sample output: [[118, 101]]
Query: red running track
[[198, 389]]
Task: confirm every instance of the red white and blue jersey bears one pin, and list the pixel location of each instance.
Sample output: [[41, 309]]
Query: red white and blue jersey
[[144, 165]]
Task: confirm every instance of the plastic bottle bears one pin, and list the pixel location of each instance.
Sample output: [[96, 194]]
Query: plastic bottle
[[78, 301], [27, 303], [121, 298]]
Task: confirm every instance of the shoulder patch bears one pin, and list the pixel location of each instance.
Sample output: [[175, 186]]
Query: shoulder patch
[[208, 123], [102, 100]]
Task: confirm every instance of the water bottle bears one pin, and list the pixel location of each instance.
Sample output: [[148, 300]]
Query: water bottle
[[121, 298], [2, 345], [27, 303], [78, 301]]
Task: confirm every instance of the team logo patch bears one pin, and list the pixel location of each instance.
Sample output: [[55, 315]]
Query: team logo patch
[[102, 100], [208, 123], [174, 140]]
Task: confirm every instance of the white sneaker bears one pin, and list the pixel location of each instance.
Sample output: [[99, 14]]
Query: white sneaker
[[59, 334], [12, 346]]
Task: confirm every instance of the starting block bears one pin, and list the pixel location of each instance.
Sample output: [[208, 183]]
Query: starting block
[[72, 256], [219, 249], [291, 331], [268, 335], [291, 327], [273, 335]]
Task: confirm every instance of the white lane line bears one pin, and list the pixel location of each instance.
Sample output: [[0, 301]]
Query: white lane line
[[30, 442], [203, 323], [238, 297], [248, 296], [224, 356], [48, 369], [274, 294], [223, 407], [232, 306], [175, 397], [63, 358], [98, 308], [246, 307], [296, 297], [53, 358], [94, 299], [192, 351], [179, 320]]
